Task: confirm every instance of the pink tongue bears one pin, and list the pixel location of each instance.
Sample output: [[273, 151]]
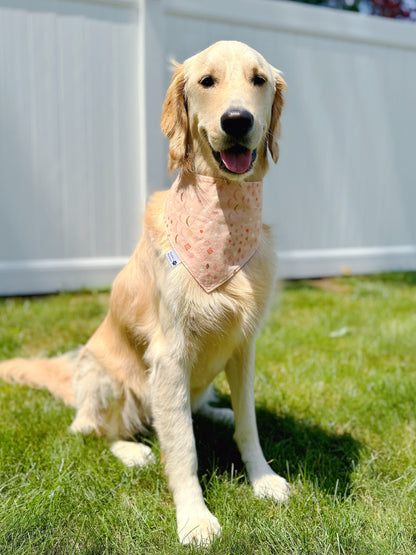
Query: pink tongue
[[236, 162]]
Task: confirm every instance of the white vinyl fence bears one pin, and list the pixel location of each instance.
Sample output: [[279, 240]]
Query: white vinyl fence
[[81, 88]]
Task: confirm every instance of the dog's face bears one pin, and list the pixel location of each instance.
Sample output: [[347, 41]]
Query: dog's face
[[221, 113]]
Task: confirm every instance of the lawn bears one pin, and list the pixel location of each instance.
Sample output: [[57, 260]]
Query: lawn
[[336, 407]]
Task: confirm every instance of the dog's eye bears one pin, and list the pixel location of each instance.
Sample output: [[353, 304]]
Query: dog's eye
[[258, 80], [207, 82]]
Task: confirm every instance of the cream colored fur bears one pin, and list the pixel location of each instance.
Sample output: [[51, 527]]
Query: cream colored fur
[[164, 339]]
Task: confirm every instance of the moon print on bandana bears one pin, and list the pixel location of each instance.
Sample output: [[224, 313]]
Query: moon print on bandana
[[213, 225]]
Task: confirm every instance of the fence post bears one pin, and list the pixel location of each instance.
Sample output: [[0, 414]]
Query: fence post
[[152, 63]]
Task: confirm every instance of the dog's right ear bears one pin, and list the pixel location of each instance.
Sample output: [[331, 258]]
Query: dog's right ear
[[174, 121]]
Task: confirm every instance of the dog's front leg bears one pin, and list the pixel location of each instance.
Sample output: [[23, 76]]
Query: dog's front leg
[[240, 376], [171, 407]]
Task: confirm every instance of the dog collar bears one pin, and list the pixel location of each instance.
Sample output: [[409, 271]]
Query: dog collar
[[213, 226]]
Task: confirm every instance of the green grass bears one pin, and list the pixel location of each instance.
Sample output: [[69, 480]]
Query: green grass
[[336, 407]]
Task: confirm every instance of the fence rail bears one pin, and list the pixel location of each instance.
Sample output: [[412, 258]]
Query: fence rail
[[81, 88]]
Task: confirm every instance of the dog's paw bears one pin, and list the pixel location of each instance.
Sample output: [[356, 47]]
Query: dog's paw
[[273, 486], [132, 454], [222, 415], [200, 529], [84, 425]]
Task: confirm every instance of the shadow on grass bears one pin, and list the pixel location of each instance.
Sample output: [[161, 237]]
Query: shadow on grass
[[293, 447]]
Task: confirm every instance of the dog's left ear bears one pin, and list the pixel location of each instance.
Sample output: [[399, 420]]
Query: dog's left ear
[[174, 121], [274, 129]]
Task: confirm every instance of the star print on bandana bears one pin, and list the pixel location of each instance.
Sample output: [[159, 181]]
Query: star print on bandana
[[213, 225]]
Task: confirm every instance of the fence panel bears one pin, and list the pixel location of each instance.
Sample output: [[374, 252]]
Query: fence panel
[[69, 163], [81, 88]]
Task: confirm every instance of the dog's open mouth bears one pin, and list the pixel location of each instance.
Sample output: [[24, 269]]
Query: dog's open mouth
[[237, 159]]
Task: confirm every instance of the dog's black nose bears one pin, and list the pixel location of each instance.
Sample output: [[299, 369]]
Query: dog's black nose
[[236, 122]]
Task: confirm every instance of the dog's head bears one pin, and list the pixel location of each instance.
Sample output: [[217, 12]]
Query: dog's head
[[221, 113]]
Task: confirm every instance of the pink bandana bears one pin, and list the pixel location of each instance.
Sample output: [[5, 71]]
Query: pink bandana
[[213, 226]]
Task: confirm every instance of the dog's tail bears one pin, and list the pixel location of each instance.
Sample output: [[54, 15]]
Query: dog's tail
[[53, 374]]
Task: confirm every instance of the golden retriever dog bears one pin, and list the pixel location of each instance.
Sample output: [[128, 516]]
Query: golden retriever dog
[[168, 333]]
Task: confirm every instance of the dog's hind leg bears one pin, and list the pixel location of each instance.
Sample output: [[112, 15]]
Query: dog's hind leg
[[202, 405], [98, 399], [108, 409]]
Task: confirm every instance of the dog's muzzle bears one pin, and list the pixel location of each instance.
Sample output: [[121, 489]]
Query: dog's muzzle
[[236, 124]]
